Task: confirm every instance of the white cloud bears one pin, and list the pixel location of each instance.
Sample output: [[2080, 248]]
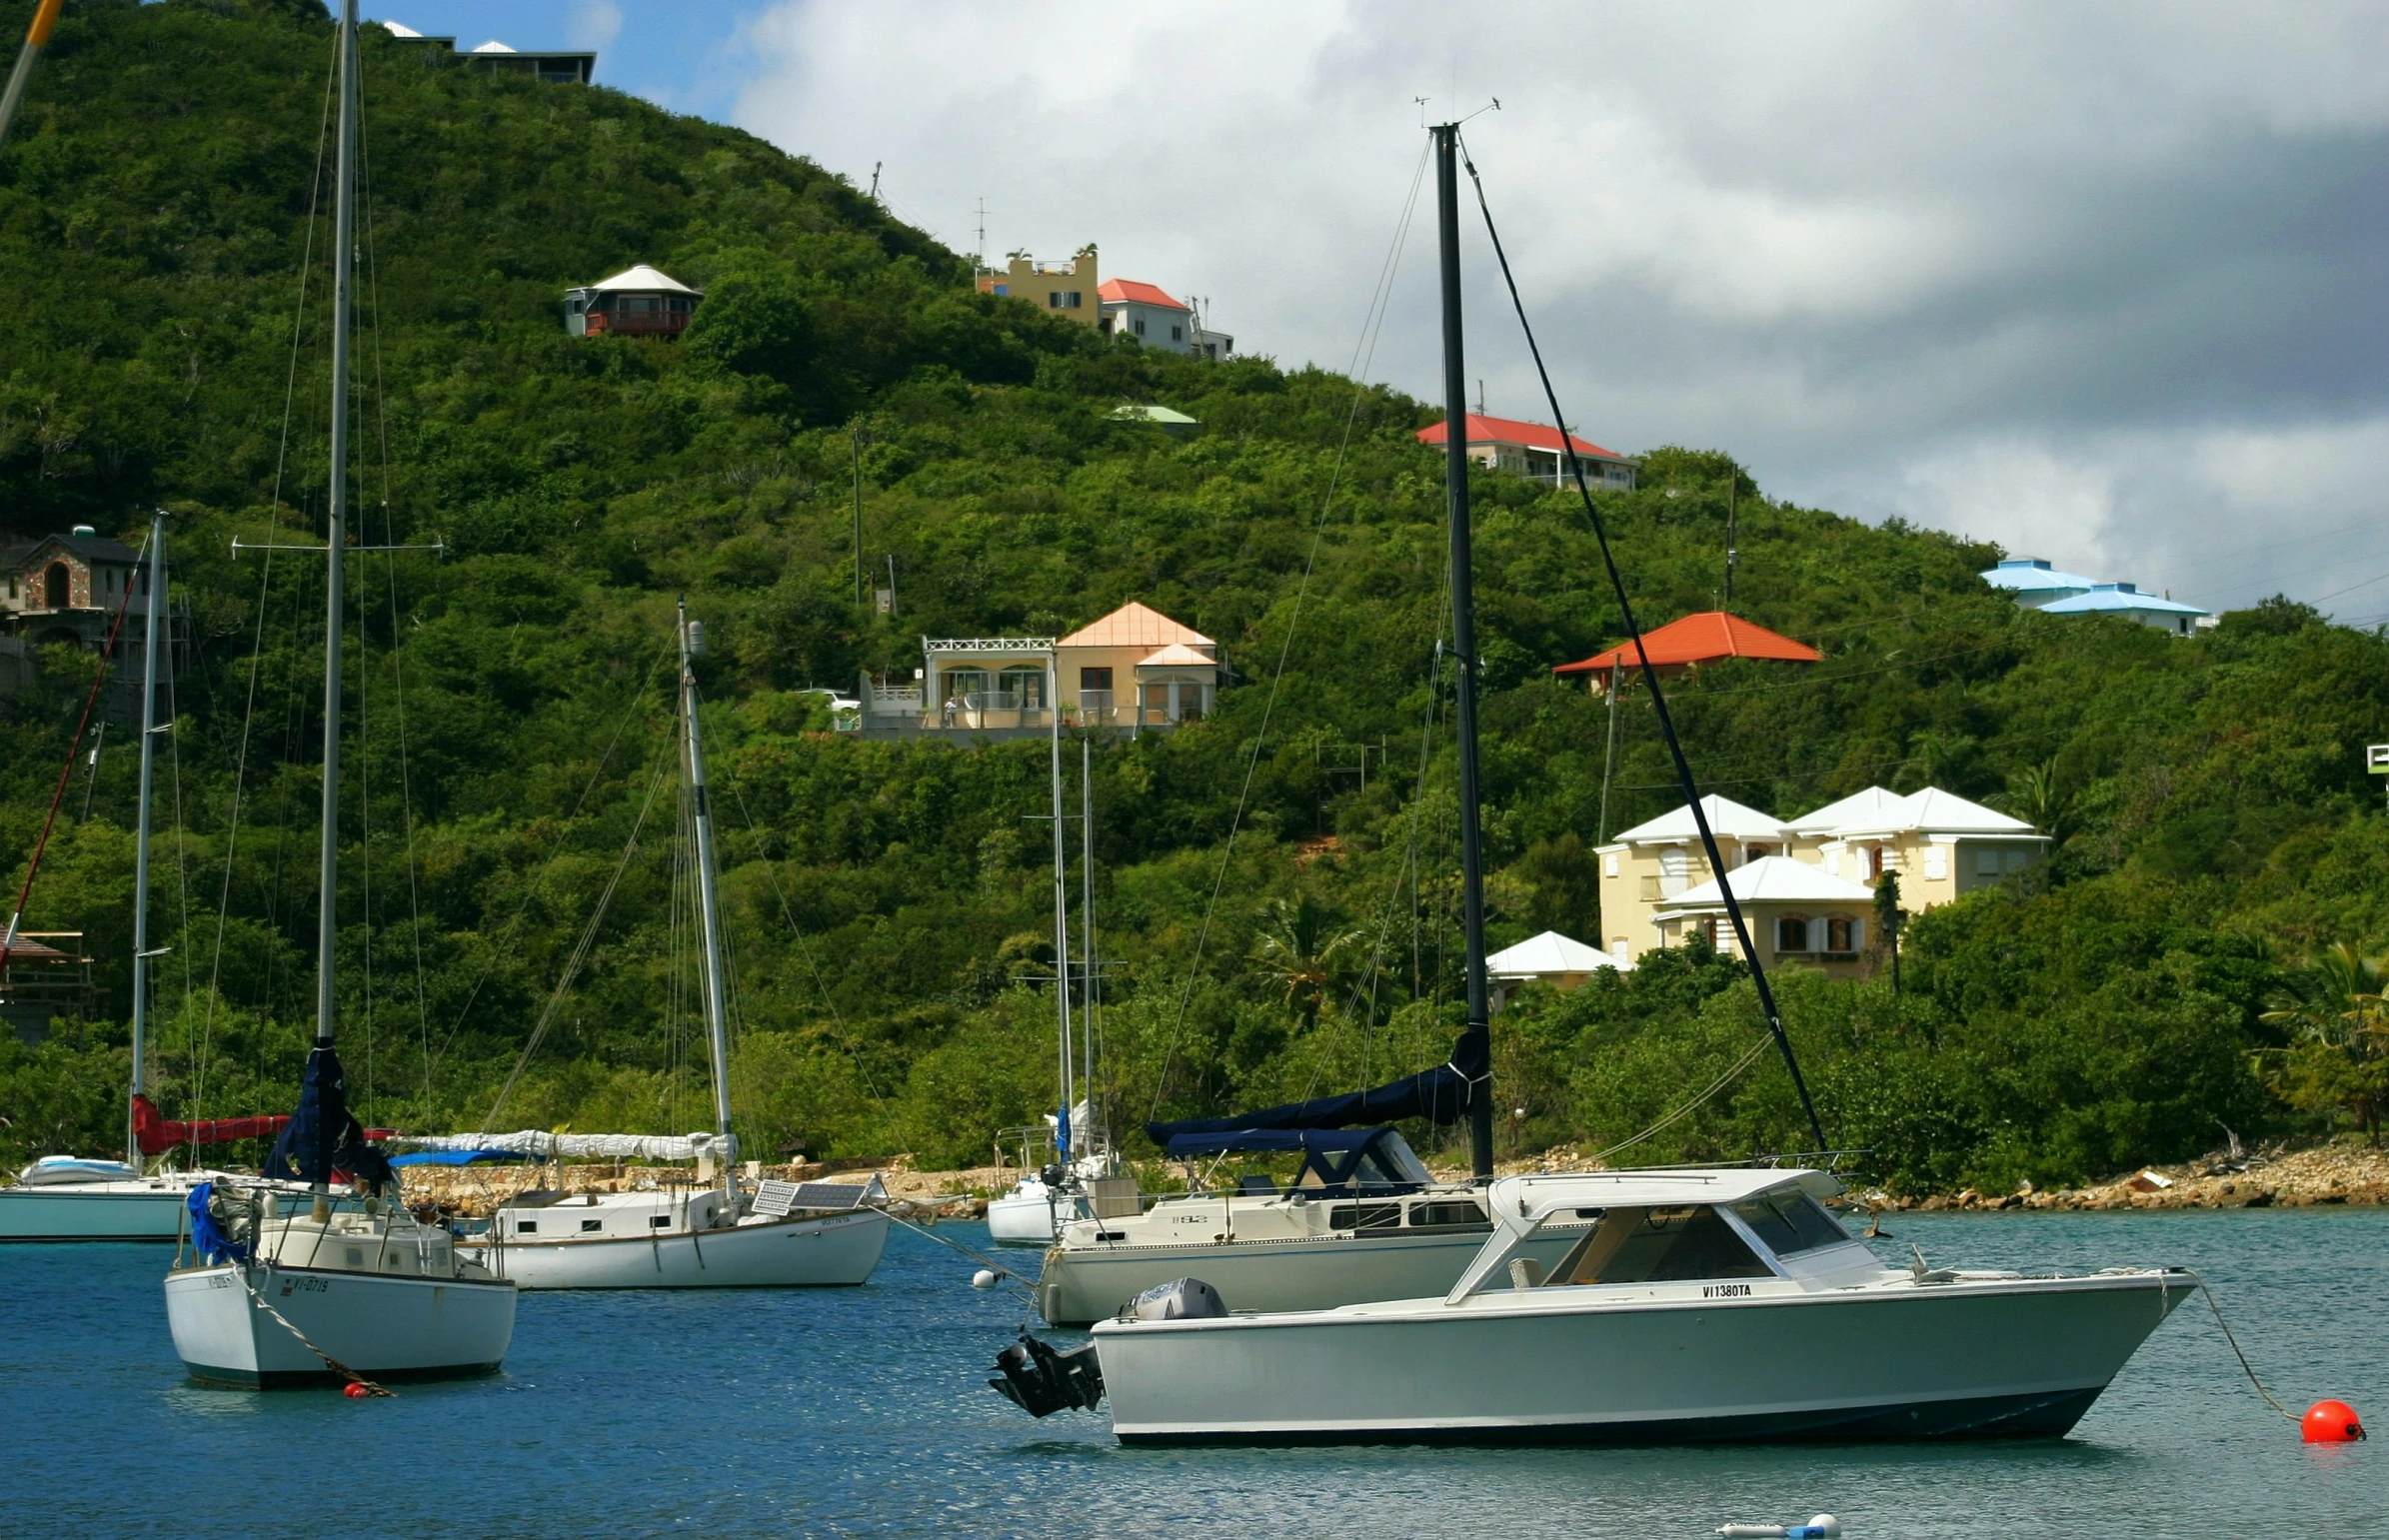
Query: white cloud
[[2095, 280], [595, 24]]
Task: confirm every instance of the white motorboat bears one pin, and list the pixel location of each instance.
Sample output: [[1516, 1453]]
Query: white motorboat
[[1362, 1220], [265, 1295], [781, 1235], [1703, 1304], [282, 1292]]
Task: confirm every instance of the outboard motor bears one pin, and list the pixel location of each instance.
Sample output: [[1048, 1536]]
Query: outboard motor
[[1180, 1299], [1041, 1380]]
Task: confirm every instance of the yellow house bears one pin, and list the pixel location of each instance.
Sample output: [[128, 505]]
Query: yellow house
[[1133, 669], [1067, 289], [1796, 914], [1941, 845], [1663, 858]]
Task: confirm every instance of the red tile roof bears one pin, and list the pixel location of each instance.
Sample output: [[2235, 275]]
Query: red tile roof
[[1508, 429], [1708, 637], [1135, 624], [1117, 290]]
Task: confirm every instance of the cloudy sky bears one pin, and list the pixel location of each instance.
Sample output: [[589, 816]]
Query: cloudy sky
[[2087, 280]]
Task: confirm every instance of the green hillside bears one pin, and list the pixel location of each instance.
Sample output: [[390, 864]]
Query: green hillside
[[890, 903]]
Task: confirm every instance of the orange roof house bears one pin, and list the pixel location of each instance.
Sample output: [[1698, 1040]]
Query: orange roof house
[[1137, 625], [1679, 647], [1535, 450]]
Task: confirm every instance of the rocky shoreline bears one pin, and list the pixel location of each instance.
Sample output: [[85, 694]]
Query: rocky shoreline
[[2339, 1174]]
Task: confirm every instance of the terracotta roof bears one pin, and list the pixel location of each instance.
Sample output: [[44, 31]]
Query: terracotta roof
[[1179, 655], [1135, 624], [1508, 429], [1704, 638], [1124, 290]]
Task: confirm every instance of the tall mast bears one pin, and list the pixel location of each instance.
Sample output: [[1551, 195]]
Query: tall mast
[[709, 921], [1088, 974], [153, 638], [1061, 912], [1463, 641], [344, 247]]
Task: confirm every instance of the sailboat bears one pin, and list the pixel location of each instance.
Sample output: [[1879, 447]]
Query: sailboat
[[311, 1274], [69, 1197], [1048, 1196], [1689, 1304], [782, 1234]]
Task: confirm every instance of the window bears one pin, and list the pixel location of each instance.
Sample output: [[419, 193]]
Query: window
[[1789, 1222], [526, 1226], [60, 586], [660, 1223], [1842, 933], [1936, 863], [588, 1225], [1618, 948], [1791, 934], [2018, 860], [1094, 679], [1660, 1245], [1756, 852], [1070, 301], [1177, 334], [1023, 689], [1986, 862], [1609, 865], [1138, 326]]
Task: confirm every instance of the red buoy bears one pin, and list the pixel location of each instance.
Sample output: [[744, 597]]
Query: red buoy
[[357, 1391], [2331, 1422]]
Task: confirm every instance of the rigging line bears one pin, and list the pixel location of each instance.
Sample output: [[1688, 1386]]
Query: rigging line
[[1756, 1051], [1651, 675], [531, 890], [1364, 351], [582, 947], [804, 947], [298, 325], [66, 770], [398, 672]]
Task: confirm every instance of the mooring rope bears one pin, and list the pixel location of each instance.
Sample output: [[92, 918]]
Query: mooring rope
[[2248, 1368], [240, 1270], [989, 1262]]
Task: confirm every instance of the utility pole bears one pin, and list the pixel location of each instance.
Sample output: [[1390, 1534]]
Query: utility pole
[[874, 180], [858, 436], [982, 257]]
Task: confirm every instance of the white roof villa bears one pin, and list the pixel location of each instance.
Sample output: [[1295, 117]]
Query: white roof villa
[[1770, 879], [2038, 586], [1728, 820]]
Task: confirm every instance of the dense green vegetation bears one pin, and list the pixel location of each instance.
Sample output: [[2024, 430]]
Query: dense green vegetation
[[890, 903]]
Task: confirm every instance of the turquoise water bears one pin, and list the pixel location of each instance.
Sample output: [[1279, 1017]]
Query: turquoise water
[[862, 1411]]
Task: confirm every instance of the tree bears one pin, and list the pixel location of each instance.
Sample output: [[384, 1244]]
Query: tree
[[1887, 915], [1301, 951], [2035, 794], [2336, 1006]]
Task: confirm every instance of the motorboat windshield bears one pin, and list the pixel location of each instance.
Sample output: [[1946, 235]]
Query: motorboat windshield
[[1336, 1161]]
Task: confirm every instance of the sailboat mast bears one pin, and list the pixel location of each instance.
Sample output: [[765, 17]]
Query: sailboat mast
[[344, 247], [709, 921], [1463, 640], [1089, 975], [153, 638], [1061, 917]]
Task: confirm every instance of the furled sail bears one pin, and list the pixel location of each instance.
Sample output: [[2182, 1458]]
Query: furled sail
[[159, 1133], [1440, 1095], [323, 1139], [539, 1144]]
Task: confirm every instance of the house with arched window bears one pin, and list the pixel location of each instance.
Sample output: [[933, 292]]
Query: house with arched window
[[68, 590]]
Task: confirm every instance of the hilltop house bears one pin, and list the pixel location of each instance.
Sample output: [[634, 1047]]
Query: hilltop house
[[566, 68], [69, 588], [1795, 912], [639, 301], [1655, 879], [1560, 960], [2037, 585], [1682, 647], [1067, 289], [1135, 668], [1535, 450]]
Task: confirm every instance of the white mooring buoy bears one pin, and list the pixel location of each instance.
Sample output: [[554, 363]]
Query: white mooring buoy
[[984, 1278]]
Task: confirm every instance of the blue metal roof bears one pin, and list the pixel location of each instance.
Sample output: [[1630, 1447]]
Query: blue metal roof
[[2028, 576], [2108, 597]]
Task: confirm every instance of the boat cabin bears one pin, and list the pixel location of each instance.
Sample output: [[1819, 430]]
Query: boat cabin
[[1707, 1226]]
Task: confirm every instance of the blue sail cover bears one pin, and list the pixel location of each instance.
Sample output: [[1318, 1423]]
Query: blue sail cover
[[207, 1237], [1440, 1096], [460, 1157], [323, 1135]]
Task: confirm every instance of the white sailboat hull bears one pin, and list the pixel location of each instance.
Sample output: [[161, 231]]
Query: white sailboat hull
[[385, 1328], [841, 1249], [119, 1210], [2016, 1358], [1079, 1285], [1026, 1217]]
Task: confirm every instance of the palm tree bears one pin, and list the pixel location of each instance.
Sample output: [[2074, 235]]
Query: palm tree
[[2035, 794], [2336, 1006], [1300, 950]]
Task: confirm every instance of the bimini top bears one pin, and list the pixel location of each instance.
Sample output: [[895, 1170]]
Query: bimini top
[[1371, 1159]]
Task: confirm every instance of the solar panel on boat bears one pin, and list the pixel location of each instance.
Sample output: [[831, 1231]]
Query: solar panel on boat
[[780, 1198]]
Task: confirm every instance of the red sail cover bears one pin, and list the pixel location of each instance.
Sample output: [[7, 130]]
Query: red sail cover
[[158, 1134]]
